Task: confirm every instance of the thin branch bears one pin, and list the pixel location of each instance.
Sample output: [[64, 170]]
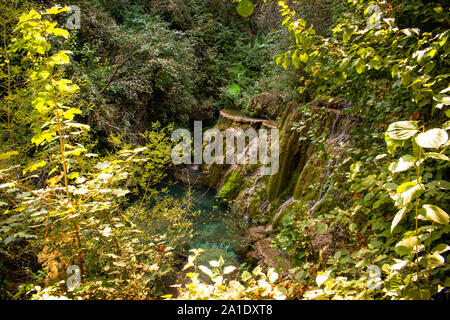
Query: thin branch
[[117, 69]]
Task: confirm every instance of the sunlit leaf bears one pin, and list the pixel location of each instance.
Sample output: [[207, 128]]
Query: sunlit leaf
[[234, 89], [402, 130], [245, 8], [433, 138], [436, 214]]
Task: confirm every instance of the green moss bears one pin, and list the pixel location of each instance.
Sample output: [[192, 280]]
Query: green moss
[[233, 185], [313, 173], [293, 209], [292, 158]]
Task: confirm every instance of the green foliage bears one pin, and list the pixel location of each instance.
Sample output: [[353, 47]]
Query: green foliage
[[170, 63], [73, 208], [254, 285], [370, 61], [394, 208], [136, 62], [232, 187]]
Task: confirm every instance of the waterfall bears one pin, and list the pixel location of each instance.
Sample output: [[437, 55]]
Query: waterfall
[[281, 208], [249, 200], [324, 194], [310, 211]]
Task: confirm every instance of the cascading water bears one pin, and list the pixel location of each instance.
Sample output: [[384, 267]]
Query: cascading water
[[280, 211]]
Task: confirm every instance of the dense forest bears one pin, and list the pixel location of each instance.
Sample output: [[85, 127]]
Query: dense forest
[[355, 94]]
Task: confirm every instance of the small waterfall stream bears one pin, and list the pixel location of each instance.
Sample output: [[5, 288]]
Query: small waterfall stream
[[280, 211]]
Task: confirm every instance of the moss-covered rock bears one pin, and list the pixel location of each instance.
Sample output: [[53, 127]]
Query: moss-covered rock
[[234, 183], [311, 178]]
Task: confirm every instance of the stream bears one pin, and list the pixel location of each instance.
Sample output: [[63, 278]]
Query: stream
[[216, 229]]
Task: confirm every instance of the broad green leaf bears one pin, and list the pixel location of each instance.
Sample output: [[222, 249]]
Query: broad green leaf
[[321, 278], [399, 216], [61, 32], [402, 130], [272, 275], [60, 57], [405, 186], [436, 214], [7, 155], [304, 57], [321, 227], [433, 260], [394, 71], [246, 276], [228, 269], [407, 246], [360, 66], [245, 8], [406, 77], [35, 166], [377, 62], [56, 10], [392, 144], [400, 264], [347, 34], [444, 100], [295, 59], [214, 263], [234, 89], [435, 155], [70, 114], [407, 196], [206, 270], [433, 138], [278, 59], [403, 164], [441, 248], [286, 62], [443, 38]]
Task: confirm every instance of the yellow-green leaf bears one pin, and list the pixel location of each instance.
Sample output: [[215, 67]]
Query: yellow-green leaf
[[7, 155], [402, 130], [433, 138], [61, 32], [55, 10], [70, 114], [35, 166], [436, 214]]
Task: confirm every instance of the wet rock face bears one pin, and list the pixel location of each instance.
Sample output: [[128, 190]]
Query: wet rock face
[[303, 174], [235, 118], [269, 256], [257, 233], [264, 252]]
